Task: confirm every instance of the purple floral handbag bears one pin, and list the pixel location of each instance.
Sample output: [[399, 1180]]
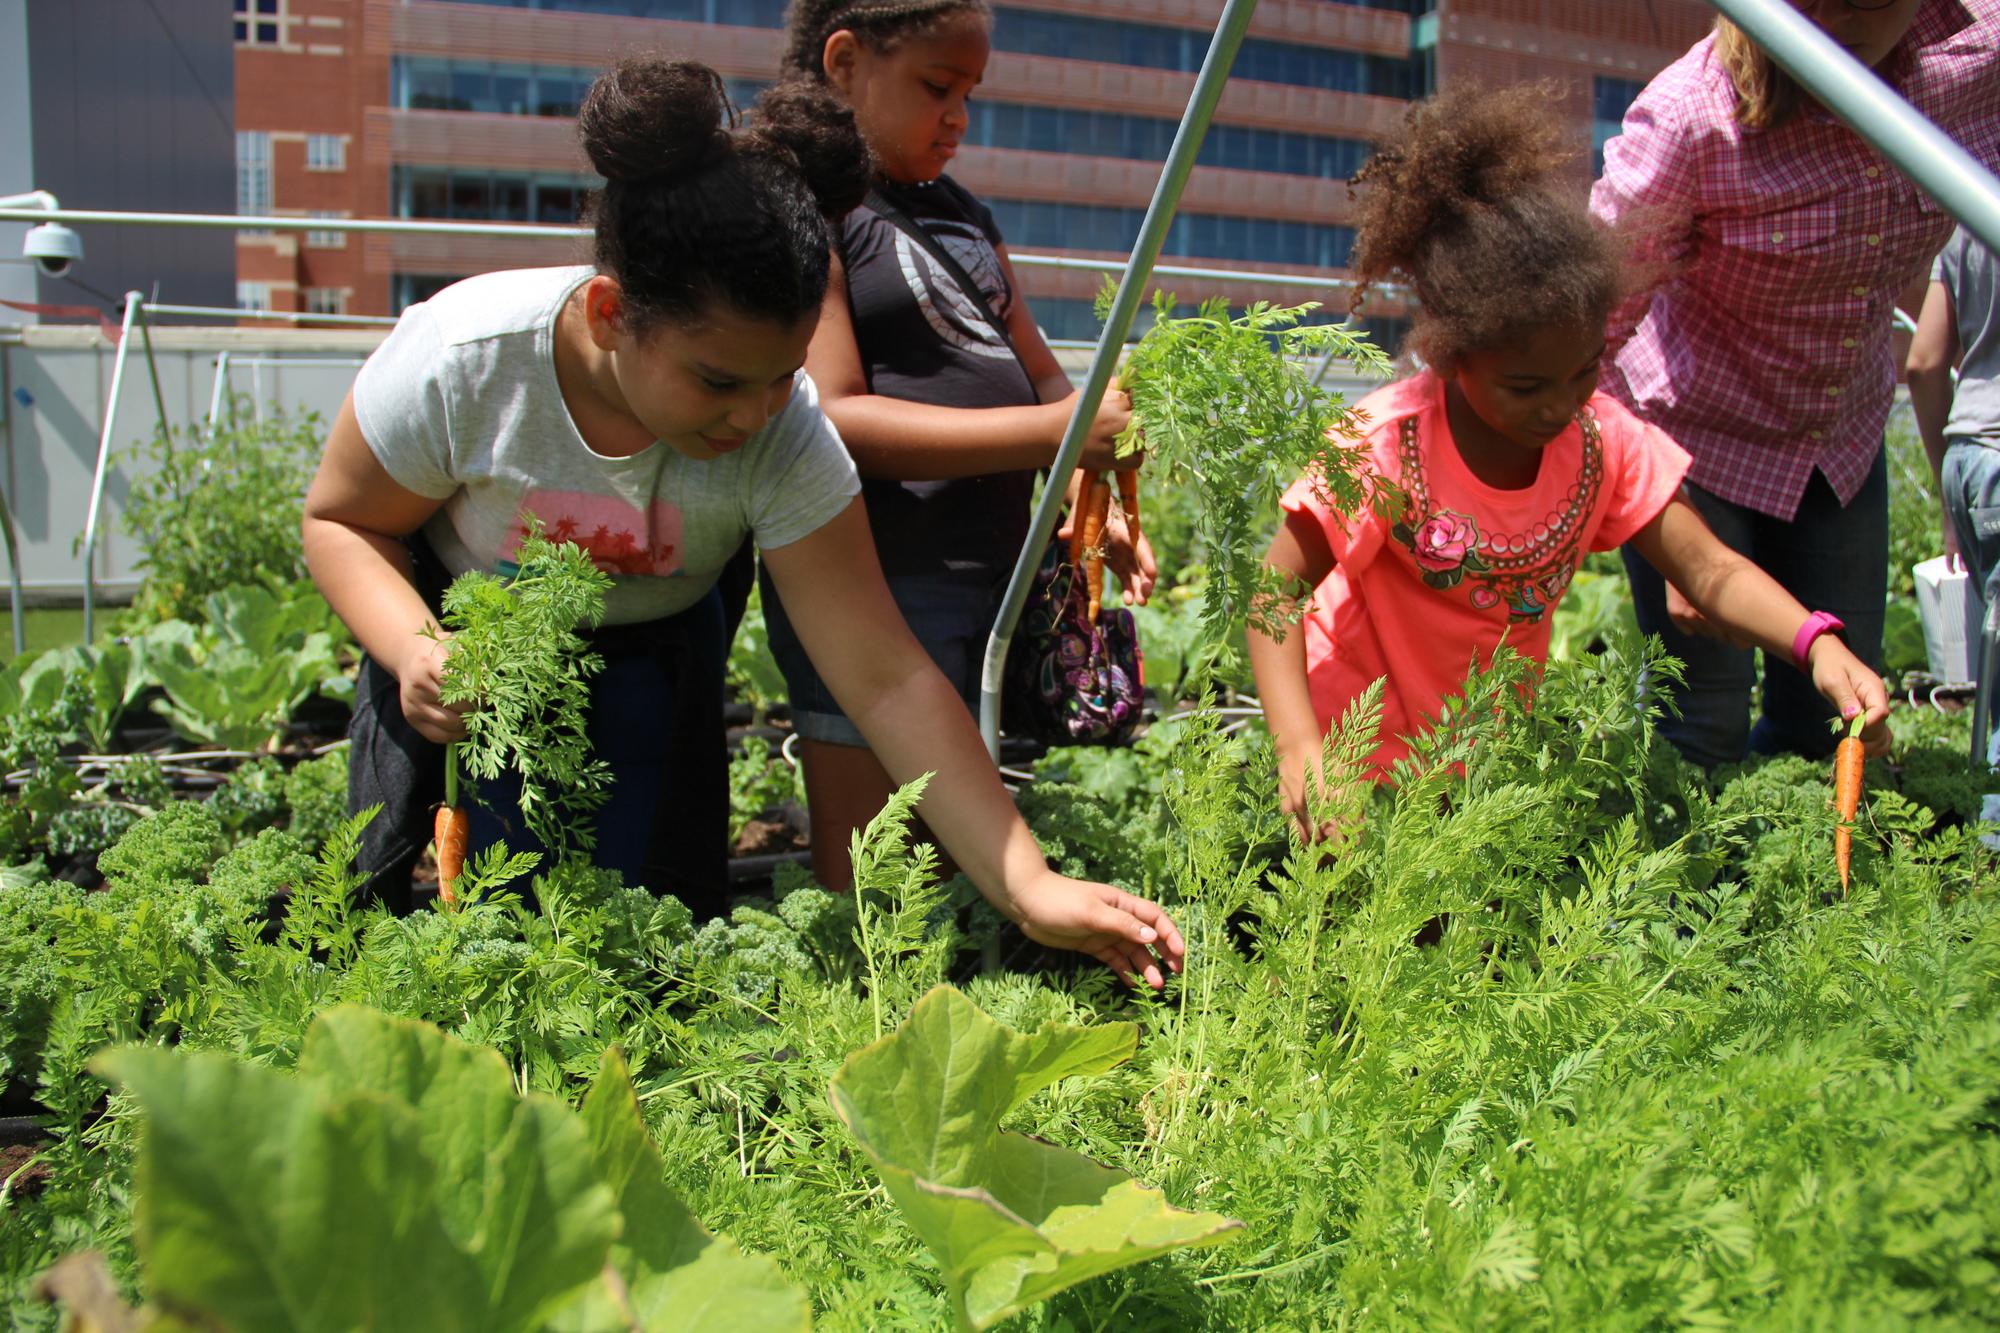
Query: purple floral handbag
[[1069, 682]]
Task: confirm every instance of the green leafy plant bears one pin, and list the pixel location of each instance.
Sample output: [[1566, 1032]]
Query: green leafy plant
[[516, 655], [398, 1179], [258, 656], [215, 510], [1231, 410], [1011, 1220], [759, 781]]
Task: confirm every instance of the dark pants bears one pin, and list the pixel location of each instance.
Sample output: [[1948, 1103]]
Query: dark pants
[[655, 717], [1829, 556]]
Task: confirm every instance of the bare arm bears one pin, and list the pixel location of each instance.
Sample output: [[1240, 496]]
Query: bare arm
[[1300, 552], [898, 440], [1933, 352], [356, 516], [916, 723], [1748, 604]]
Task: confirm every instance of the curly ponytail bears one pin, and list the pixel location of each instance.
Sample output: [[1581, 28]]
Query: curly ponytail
[[1468, 205], [695, 209]]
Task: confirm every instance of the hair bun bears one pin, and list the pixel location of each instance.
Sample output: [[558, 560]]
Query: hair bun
[[814, 133], [650, 119]]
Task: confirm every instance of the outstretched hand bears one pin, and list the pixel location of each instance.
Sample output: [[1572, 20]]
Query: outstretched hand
[[1132, 936]]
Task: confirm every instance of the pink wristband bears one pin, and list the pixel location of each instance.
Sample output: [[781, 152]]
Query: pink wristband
[[1818, 623]]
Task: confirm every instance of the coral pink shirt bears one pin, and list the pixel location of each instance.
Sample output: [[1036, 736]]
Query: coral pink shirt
[[1417, 594]]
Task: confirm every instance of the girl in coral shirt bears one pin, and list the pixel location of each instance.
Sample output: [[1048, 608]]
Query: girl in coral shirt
[[1511, 466]]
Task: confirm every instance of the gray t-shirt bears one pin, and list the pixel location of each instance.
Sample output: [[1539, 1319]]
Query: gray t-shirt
[[460, 403], [1969, 272]]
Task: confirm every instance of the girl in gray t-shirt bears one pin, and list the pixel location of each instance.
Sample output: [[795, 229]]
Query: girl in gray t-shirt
[[653, 410]]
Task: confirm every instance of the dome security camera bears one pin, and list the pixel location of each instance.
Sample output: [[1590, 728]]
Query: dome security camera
[[53, 247]]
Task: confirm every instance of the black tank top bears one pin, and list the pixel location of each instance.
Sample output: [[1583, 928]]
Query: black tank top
[[922, 340]]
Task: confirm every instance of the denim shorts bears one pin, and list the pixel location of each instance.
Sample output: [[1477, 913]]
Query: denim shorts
[[951, 614]]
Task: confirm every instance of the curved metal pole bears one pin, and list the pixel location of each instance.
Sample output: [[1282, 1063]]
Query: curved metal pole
[[1208, 84], [1942, 169], [132, 303]]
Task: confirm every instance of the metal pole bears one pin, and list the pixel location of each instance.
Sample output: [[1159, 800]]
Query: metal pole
[[215, 392], [153, 370], [15, 610], [1208, 85], [132, 301], [1942, 169], [284, 316]]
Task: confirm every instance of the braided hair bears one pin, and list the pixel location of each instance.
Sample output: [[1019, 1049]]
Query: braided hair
[[1471, 205], [881, 25], [697, 208]]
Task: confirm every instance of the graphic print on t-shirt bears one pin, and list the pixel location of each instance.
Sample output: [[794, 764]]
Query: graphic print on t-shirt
[[617, 537], [949, 311]]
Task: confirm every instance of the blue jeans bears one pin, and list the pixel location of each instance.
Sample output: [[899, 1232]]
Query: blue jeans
[[1971, 484], [951, 614], [1829, 556]]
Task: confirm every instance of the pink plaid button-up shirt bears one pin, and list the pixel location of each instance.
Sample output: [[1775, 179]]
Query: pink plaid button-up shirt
[[1767, 354]]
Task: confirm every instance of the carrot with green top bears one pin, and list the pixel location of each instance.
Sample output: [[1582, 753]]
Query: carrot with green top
[[1128, 500], [1847, 763], [452, 830], [1096, 510], [1079, 518]]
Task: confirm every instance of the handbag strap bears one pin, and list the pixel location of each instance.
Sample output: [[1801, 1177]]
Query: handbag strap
[[889, 212]]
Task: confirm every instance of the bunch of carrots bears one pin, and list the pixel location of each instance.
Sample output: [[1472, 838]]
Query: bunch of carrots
[[1086, 534]]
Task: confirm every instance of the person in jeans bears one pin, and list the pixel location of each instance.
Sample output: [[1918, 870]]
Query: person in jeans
[[1960, 424], [1782, 240]]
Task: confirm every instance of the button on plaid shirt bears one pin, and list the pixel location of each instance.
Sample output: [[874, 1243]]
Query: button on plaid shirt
[[1767, 353]]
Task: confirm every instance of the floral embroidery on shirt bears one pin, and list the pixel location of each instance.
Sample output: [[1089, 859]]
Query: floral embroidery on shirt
[[1527, 571]]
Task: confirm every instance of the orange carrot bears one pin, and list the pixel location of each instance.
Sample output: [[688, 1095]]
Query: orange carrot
[[453, 834], [1128, 500], [1847, 763], [1076, 521], [451, 831], [1095, 510]]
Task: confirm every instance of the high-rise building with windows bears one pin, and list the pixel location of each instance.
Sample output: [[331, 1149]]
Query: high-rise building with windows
[[463, 109]]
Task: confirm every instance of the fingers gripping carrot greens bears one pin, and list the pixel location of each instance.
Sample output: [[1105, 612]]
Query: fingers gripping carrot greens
[[1229, 406], [1847, 764], [517, 657]]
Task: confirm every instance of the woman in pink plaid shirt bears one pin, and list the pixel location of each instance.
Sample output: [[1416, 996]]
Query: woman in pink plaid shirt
[[1767, 352]]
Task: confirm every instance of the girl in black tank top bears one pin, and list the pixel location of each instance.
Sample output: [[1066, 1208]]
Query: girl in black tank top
[[948, 399]]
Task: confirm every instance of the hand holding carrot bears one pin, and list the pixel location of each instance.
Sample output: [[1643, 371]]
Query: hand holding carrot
[[1854, 689]]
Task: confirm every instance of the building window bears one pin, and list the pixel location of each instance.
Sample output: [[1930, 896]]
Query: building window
[[253, 173], [1610, 99], [261, 22], [253, 295], [326, 301], [326, 240], [326, 152]]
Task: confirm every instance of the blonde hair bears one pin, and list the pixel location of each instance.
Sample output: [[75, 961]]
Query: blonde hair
[[1766, 96]]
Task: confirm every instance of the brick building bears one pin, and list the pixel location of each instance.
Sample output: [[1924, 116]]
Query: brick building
[[463, 110]]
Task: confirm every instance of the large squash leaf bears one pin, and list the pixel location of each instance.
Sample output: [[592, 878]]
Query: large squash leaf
[[1012, 1220], [672, 1273], [398, 1180]]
